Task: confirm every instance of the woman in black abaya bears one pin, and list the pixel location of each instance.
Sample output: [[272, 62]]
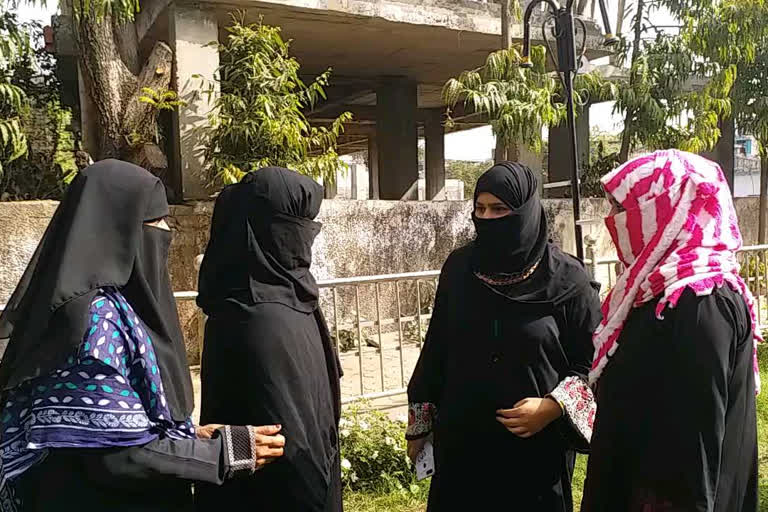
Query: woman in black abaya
[[500, 385], [268, 354], [96, 393]]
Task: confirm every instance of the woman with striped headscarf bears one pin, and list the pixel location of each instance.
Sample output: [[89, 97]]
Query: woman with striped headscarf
[[675, 361]]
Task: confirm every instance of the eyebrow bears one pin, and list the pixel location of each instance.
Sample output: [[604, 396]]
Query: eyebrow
[[492, 204]]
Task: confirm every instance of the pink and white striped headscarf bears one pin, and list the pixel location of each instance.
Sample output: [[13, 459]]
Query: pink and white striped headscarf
[[679, 230]]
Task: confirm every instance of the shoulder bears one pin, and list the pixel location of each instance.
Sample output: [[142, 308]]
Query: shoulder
[[724, 304], [458, 260]]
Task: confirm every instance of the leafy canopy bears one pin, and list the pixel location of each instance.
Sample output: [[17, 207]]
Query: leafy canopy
[[258, 118]]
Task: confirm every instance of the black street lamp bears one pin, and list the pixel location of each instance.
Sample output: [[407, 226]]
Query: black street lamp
[[567, 66]]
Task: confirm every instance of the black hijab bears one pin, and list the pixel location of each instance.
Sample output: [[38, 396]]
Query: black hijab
[[519, 242], [97, 238], [260, 248]]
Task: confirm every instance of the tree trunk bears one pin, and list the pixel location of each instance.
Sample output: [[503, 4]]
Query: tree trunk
[[506, 25], [114, 79], [763, 212], [626, 134]]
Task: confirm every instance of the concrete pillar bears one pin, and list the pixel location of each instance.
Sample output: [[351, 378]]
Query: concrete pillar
[[373, 168], [331, 187], [397, 135], [353, 181], [560, 161], [434, 155], [723, 152], [191, 31]]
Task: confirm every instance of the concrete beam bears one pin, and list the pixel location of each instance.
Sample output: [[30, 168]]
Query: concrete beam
[[191, 31], [397, 135], [434, 154]]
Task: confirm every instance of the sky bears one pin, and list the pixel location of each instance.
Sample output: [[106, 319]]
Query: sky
[[476, 144]]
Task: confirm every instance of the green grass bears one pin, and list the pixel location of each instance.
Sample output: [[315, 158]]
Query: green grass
[[401, 501]]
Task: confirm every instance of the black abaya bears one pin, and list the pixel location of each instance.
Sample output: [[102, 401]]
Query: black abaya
[[676, 427], [484, 352], [268, 355]]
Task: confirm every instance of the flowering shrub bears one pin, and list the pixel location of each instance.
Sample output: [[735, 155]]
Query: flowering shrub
[[373, 452]]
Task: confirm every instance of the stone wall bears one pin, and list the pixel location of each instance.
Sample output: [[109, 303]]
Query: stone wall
[[358, 238]]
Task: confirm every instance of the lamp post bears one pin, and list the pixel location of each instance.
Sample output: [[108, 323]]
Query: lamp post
[[567, 65]]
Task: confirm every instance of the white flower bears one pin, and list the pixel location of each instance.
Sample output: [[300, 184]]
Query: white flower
[[364, 425], [353, 477], [389, 441], [344, 433], [344, 422], [375, 455], [403, 418], [346, 464]]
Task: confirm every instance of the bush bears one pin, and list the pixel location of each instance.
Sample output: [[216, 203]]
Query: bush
[[373, 453]]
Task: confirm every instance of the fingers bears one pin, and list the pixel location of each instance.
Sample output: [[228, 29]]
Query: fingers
[[509, 413], [267, 430], [512, 422], [266, 452], [521, 403], [206, 431], [277, 441]]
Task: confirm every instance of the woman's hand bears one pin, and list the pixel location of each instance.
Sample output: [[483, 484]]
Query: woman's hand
[[414, 448], [206, 431], [267, 444], [529, 416]]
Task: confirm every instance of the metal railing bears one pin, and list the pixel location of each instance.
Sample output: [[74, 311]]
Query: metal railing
[[368, 317]]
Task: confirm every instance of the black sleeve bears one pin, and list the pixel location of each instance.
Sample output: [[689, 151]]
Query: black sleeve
[[215, 460], [425, 386], [426, 382], [582, 316]]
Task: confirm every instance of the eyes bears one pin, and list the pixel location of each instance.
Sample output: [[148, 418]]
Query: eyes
[[493, 210]]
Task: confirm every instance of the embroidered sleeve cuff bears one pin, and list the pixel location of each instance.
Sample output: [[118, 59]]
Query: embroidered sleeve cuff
[[238, 450], [578, 403], [420, 418]]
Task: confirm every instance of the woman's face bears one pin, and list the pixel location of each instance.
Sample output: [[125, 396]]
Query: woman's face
[[488, 206]]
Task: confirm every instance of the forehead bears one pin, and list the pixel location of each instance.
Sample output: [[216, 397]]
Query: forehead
[[488, 198]]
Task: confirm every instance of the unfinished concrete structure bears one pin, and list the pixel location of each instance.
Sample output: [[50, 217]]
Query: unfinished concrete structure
[[390, 60]]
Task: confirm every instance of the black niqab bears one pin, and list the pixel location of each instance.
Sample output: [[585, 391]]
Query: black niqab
[[511, 245], [260, 249], [97, 238]]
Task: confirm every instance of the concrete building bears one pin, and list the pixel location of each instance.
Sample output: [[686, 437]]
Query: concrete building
[[390, 60]]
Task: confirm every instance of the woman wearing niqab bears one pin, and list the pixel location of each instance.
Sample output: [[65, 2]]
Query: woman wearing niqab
[[268, 354], [500, 386], [96, 392], [675, 363]]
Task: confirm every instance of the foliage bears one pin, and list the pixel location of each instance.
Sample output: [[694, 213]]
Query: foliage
[[160, 101], [258, 118], [14, 45], [519, 102], [600, 164], [48, 163], [467, 172], [373, 452], [659, 112]]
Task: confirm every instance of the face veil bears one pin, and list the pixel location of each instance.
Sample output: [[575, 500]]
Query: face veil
[[97, 238]]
